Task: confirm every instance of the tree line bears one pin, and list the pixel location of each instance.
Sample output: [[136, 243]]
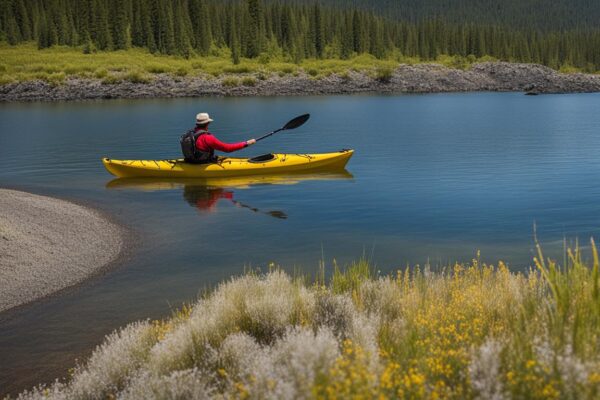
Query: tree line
[[543, 15], [277, 28]]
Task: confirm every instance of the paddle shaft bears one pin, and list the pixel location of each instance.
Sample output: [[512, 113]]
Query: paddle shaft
[[293, 124], [268, 134]]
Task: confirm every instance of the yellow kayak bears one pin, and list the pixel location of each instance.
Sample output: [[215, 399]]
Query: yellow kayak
[[229, 166]]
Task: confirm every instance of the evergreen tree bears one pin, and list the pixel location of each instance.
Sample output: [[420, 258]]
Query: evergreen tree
[[255, 28], [234, 40], [297, 30], [121, 31], [318, 30]]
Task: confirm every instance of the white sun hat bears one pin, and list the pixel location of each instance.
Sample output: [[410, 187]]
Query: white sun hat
[[203, 118]]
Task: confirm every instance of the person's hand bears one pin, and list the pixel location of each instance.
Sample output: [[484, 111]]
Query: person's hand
[[250, 142]]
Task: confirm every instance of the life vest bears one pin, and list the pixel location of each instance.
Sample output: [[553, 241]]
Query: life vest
[[191, 153]]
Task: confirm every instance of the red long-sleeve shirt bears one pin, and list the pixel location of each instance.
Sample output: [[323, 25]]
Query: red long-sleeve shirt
[[207, 141]]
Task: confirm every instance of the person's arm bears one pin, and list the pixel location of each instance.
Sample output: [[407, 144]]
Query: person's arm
[[216, 144]]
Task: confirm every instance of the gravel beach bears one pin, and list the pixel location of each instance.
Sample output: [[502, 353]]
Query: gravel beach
[[48, 244]]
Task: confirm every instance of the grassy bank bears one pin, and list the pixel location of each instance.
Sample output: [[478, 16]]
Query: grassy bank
[[25, 63], [470, 331]]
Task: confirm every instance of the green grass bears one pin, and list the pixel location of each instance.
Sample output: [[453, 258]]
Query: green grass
[[463, 332], [25, 62]]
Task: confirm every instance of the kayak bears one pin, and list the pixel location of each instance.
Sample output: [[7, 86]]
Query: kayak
[[228, 166]]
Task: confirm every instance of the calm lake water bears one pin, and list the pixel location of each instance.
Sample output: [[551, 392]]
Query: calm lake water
[[434, 179]]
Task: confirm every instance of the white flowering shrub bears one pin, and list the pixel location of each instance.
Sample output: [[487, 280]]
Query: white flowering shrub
[[484, 372], [466, 332]]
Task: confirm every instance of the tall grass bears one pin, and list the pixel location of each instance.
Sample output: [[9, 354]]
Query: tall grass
[[466, 332], [25, 62]]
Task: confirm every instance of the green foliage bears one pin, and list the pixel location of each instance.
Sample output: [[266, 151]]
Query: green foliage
[[280, 30], [182, 71], [101, 73], [25, 62], [155, 68], [384, 74], [137, 77], [112, 79], [56, 78], [348, 280], [230, 82], [248, 81]]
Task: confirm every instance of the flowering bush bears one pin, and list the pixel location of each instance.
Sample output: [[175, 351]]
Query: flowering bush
[[466, 332]]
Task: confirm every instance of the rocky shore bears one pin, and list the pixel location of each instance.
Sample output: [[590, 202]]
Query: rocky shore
[[420, 78], [48, 244]]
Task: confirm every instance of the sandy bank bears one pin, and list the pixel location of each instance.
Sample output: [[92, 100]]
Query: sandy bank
[[47, 244]]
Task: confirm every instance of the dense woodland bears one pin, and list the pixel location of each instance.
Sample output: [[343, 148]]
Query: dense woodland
[[294, 30], [548, 15]]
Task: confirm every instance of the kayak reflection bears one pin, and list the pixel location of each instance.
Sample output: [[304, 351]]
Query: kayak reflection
[[205, 198], [205, 194]]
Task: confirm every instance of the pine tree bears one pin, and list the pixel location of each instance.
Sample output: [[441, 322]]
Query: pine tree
[[234, 40], [101, 30], [318, 31], [255, 28], [121, 31], [183, 29]]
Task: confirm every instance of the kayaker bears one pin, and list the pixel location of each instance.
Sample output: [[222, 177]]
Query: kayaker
[[199, 145]]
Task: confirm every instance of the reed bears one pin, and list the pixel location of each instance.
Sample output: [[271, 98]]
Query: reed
[[464, 332]]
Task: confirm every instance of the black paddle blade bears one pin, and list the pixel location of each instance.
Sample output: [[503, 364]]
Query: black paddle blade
[[296, 122]]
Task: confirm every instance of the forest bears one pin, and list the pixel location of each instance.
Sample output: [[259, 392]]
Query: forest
[[296, 31]]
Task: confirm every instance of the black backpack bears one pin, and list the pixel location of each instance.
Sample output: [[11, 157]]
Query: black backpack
[[191, 153]]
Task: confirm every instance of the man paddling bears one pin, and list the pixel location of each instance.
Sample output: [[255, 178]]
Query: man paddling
[[198, 145]]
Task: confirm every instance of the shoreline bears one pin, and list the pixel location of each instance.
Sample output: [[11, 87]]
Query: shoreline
[[51, 245], [419, 78]]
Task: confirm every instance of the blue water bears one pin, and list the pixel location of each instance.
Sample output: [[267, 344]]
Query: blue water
[[434, 179]]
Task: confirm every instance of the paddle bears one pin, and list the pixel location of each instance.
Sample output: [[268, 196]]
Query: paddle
[[293, 124]]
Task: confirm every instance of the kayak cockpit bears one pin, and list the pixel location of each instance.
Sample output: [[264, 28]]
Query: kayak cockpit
[[262, 158]]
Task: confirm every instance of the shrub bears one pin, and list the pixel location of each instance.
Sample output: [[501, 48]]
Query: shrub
[[137, 77], [89, 48], [345, 76], [112, 79], [182, 71], [237, 69], [55, 79], [568, 69], [155, 68], [5, 80], [464, 332], [264, 58], [249, 81], [312, 72], [230, 82], [262, 76], [101, 73], [384, 74], [198, 64]]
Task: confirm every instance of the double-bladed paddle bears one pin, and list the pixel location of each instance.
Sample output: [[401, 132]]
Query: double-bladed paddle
[[293, 124]]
